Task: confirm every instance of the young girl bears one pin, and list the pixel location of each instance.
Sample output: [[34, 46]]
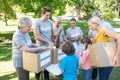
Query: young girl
[[69, 64], [85, 59]]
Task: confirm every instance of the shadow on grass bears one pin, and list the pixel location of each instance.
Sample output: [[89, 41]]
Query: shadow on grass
[[5, 52], [8, 76], [6, 36]]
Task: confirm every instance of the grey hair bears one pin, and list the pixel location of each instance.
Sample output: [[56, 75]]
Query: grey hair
[[58, 18], [95, 19], [24, 21], [96, 12]]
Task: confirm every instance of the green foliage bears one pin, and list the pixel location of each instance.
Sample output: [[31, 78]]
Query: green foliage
[[34, 6], [107, 8], [87, 9], [6, 10]]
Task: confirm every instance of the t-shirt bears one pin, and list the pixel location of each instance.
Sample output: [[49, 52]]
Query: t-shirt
[[101, 37], [73, 32], [91, 32], [19, 39], [85, 60], [107, 26], [61, 38], [70, 66], [45, 30]]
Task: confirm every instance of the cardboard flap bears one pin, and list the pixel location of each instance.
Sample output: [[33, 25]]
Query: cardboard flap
[[102, 54], [30, 60], [107, 52], [94, 56]]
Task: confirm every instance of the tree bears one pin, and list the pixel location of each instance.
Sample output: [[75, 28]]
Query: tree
[[88, 8], [77, 4], [107, 8], [118, 8], [6, 11], [34, 6]]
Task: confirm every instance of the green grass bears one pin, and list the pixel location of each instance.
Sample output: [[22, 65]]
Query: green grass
[[4, 36], [7, 71], [5, 52], [116, 24]]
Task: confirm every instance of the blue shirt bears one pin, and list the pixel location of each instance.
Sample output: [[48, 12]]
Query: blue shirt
[[70, 66]]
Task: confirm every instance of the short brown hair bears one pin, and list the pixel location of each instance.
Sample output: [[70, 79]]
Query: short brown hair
[[68, 48], [73, 19], [45, 9]]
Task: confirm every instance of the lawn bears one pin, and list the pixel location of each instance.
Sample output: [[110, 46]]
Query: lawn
[[7, 71]]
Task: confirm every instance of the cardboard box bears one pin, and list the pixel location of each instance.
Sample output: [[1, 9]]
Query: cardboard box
[[36, 62], [102, 54]]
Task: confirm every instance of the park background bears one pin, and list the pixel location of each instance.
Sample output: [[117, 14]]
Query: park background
[[11, 10]]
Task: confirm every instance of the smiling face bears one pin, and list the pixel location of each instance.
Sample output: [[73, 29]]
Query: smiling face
[[72, 23]]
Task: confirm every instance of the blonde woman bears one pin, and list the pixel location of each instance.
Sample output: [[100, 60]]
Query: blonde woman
[[104, 35]]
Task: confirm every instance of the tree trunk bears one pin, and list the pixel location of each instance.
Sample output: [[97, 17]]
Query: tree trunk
[[6, 23], [78, 12], [118, 10]]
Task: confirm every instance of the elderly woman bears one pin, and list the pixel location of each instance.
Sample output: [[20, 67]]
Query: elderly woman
[[21, 42], [58, 31], [104, 35]]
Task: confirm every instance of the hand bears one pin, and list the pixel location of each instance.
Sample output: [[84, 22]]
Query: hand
[[50, 44], [116, 60], [78, 37], [42, 48], [81, 54]]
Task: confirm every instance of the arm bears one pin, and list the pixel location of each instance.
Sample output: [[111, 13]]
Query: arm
[[64, 37], [72, 39], [90, 35], [34, 45], [28, 49], [83, 57], [56, 41], [62, 65], [38, 37], [117, 37]]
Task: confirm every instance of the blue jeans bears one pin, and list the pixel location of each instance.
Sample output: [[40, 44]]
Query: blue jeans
[[87, 74], [94, 73], [104, 73]]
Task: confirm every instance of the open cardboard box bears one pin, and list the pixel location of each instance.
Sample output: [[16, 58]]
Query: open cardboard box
[[37, 62], [102, 54]]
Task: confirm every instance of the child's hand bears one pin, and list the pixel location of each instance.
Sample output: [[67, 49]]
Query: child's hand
[[58, 63], [81, 53]]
